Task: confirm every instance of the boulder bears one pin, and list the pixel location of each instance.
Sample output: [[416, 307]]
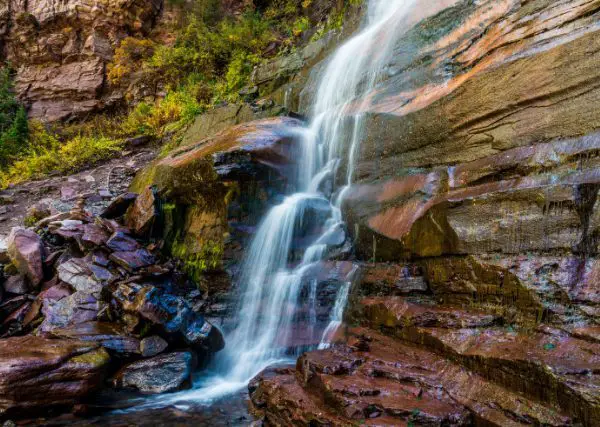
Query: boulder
[[37, 372], [172, 315], [247, 150], [26, 252], [236, 172], [160, 374]]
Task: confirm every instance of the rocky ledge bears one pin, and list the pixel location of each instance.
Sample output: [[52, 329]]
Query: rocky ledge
[[436, 366]]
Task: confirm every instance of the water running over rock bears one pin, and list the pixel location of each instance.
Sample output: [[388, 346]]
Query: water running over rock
[[273, 275]]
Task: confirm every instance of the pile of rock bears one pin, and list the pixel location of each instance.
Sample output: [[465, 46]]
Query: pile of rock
[[86, 301]]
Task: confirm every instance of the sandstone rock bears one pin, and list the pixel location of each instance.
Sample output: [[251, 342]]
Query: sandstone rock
[[392, 279], [140, 217], [161, 374], [26, 252], [389, 383], [250, 148], [196, 180], [37, 372], [61, 68], [151, 346]]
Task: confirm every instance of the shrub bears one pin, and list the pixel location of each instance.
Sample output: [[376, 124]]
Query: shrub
[[128, 58], [47, 155]]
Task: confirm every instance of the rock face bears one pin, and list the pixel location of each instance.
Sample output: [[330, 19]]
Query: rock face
[[209, 193], [60, 50], [37, 372], [471, 173], [475, 215]]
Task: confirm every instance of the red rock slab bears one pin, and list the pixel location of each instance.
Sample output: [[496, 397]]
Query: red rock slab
[[545, 364], [37, 372], [387, 382], [282, 401], [557, 369], [400, 312]]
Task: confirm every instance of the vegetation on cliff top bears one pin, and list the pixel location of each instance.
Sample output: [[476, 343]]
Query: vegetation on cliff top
[[206, 61]]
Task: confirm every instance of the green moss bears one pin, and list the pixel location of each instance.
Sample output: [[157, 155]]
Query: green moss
[[196, 264], [29, 221], [96, 358]]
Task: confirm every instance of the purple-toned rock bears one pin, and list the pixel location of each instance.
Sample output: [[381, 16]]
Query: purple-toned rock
[[172, 315], [16, 285], [151, 346], [160, 374], [70, 229], [74, 309], [100, 258], [26, 252], [121, 242], [76, 272], [119, 206], [101, 274], [133, 260], [94, 235]]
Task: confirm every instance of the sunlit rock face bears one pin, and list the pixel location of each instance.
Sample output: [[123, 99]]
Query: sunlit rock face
[[60, 50], [483, 142]]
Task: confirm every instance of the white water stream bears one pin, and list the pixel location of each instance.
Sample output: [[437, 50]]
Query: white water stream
[[269, 286]]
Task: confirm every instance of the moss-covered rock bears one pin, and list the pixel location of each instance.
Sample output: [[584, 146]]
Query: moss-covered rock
[[196, 185]]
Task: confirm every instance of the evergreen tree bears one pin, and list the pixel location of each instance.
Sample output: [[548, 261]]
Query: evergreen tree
[[14, 127]]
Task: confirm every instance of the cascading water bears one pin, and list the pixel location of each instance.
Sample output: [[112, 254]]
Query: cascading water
[[271, 288], [269, 285]]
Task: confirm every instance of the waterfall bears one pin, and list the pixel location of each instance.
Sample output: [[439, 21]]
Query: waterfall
[[269, 283]]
